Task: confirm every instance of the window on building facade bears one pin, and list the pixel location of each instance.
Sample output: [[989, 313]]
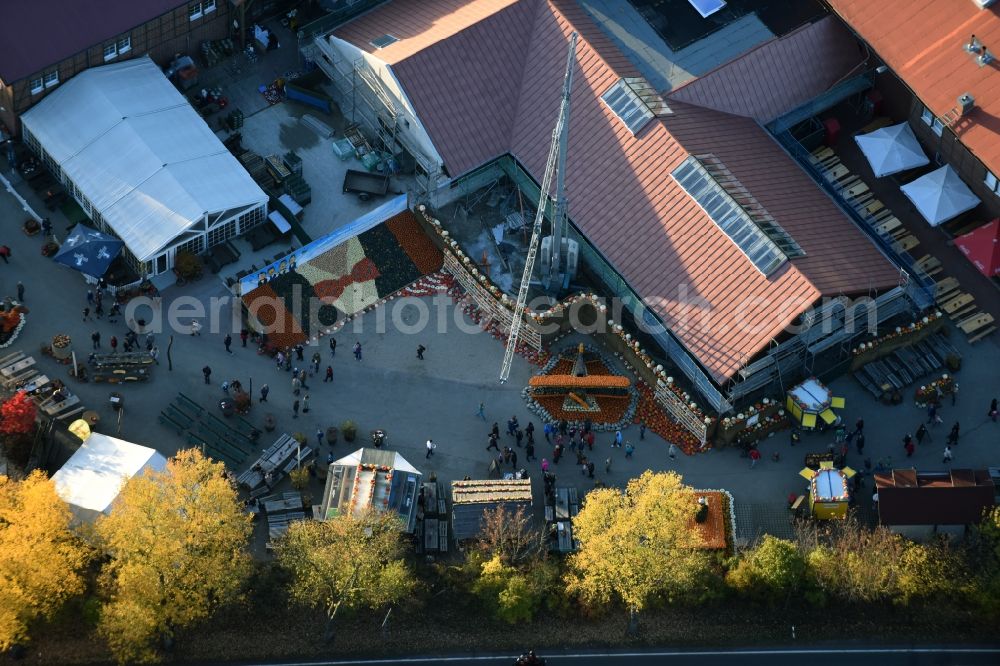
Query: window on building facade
[[932, 121], [110, 51], [207, 6], [194, 11], [991, 182], [52, 79], [125, 44], [37, 85]]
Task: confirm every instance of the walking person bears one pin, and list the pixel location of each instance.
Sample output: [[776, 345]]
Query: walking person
[[90, 297], [992, 413], [513, 458], [859, 425], [482, 411], [316, 358], [228, 341], [154, 354], [420, 351], [921, 433], [954, 393], [430, 448], [796, 436], [296, 385], [518, 436], [95, 337], [607, 465], [493, 443], [207, 371], [329, 374], [629, 449], [299, 352], [947, 454], [642, 430], [305, 404], [295, 409], [953, 435], [672, 452], [545, 465], [244, 334], [754, 457], [263, 393], [618, 439], [932, 417], [529, 451], [86, 314], [357, 351], [319, 437], [333, 347], [908, 445], [20, 292], [547, 431], [5, 253], [859, 442]]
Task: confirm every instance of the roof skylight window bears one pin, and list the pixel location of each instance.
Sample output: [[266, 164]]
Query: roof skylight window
[[629, 108], [383, 41], [736, 221]]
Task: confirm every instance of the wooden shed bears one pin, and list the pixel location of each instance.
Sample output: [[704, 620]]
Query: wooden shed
[[917, 503]]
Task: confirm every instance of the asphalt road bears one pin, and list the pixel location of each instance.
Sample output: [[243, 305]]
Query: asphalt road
[[887, 656]]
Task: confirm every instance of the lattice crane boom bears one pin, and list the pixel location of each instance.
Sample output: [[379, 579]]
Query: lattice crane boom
[[558, 138]]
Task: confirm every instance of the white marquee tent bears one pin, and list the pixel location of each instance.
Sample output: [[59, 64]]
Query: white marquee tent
[[892, 149], [940, 195], [142, 163], [92, 478]]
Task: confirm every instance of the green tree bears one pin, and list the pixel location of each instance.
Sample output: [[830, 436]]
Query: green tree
[[853, 563], [928, 571], [176, 543], [772, 571], [638, 546], [40, 558], [346, 562]]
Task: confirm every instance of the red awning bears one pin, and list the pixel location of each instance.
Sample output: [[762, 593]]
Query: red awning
[[982, 247]]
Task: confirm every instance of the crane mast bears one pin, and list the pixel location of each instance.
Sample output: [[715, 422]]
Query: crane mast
[[557, 155]]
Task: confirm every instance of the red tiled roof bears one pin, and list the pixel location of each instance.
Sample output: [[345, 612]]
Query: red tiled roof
[[922, 41], [778, 76], [35, 34], [621, 193]]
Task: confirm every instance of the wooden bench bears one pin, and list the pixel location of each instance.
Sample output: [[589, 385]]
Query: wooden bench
[[836, 173], [823, 152], [928, 263], [943, 288], [887, 226], [856, 190], [198, 409], [66, 416], [982, 334], [975, 323], [11, 359], [170, 423]]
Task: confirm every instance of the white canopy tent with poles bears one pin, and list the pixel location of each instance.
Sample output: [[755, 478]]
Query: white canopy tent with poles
[[892, 149], [940, 195]]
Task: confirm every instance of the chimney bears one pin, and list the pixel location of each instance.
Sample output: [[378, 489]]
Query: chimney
[[966, 102]]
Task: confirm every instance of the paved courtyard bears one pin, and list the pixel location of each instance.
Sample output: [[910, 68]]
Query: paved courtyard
[[437, 398]]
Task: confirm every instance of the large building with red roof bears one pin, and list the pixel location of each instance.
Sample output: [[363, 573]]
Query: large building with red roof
[[687, 207], [926, 44]]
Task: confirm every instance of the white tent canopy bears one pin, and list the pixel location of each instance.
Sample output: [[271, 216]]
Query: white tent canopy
[[139, 154], [92, 478], [940, 195], [892, 149]]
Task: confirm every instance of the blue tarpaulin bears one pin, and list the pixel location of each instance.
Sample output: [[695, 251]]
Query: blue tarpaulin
[[89, 251]]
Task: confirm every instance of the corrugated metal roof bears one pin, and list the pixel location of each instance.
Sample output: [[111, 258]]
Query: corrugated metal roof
[[621, 194], [923, 42], [780, 75]]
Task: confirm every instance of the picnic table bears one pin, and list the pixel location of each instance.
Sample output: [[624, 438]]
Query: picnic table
[[53, 409], [975, 322], [18, 368], [957, 303], [35, 383], [888, 225], [906, 243], [284, 504]]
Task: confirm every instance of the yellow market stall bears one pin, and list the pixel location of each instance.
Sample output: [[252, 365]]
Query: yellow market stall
[[811, 402], [828, 490]]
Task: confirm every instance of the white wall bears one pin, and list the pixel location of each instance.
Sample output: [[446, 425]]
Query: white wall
[[415, 134]]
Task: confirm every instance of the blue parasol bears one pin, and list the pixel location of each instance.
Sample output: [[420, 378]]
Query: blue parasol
[[89, 251]]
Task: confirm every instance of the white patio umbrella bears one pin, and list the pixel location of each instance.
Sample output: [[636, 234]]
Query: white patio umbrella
[[892, 149], [940, 195]]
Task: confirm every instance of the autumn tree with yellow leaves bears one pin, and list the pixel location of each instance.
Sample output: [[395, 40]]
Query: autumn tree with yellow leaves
[[40, 559], [638, 546], [346, 562], [177, 546]]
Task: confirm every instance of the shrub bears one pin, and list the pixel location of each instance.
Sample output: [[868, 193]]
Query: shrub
[[349, 429], [188, 266], [512, 595], [773, 571]]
